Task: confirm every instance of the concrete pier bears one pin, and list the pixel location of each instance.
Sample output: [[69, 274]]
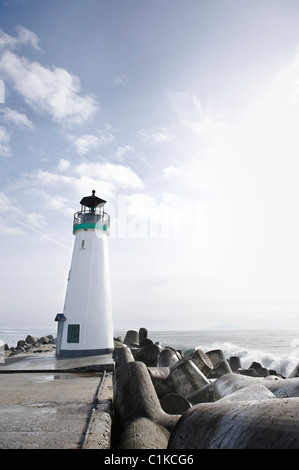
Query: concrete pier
[[49, 362], [47, 402], [50, 410], [145, 396]]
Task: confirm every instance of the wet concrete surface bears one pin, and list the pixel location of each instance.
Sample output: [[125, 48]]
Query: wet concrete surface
[[49, 362], [44, 408]]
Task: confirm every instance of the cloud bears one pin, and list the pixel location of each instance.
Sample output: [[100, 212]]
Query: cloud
[[56, 202], [5, 149], [48, 178], [11, 116], [36, 220], [51, 90], [15, 216], [121, 79], [191, 115], [155, 136], [57, 191], [172, 172], [87, 142], [122, 151], [5, 203], [9, 230], [119, 175], [187, 106], [63, 164], [25, 37], [19, 119], [54, 193]]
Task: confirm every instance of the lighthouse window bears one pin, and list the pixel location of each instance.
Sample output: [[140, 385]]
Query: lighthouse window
[[73, 333], [83, 245]]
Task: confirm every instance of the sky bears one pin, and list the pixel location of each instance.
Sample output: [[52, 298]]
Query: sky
[[184, 117]]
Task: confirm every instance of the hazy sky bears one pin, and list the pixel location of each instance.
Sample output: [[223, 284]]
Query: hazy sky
[[184, 116]]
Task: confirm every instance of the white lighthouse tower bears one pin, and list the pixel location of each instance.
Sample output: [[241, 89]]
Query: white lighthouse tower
[[85, 326]]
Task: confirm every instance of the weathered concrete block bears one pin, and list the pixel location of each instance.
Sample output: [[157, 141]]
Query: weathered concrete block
[[143, 434], [167, 358], [31, 339], [121, 355], [220, 364], [284, 388], [135, 396], [294, 372], [260, 370], [142, 336], [229, 383], [44, 340], [201, 360], [174, 404], [204, 395], [249, 393], [187, 378], [148, 354], [131, 337], [265, 424], [159, 377], [235, 363], [281, 388]]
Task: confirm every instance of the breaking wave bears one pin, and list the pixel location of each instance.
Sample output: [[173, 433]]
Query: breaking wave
[[281, 364]]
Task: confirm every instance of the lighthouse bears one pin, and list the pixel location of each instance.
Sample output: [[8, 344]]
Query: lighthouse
[[85, 326]]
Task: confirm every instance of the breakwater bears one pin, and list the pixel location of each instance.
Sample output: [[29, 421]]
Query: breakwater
[[203, 400], [31, 344]]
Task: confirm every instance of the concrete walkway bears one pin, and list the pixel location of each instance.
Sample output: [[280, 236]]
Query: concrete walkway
[[49, 362], [47, 403]]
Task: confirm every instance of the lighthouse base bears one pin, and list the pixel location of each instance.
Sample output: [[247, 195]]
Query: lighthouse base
[[84, 352]]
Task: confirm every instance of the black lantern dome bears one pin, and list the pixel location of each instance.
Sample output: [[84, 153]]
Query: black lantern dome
[[92, 201]]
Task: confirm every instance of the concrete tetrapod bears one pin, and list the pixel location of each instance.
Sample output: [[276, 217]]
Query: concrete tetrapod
[[160, 379], [281, 388], [148, 354], [220, 364], [252, 392], [142, 336], [143, 434], [135, 397], [230, 382], [235, 363], [187, 378], [264, 424], [174, 404], [204, 395], [122, 355], [184, 377], [294, 372], [201, 360], [167, 358], [132, 338]]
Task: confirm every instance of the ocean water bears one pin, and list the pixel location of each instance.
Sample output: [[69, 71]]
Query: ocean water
[[274, 349]]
